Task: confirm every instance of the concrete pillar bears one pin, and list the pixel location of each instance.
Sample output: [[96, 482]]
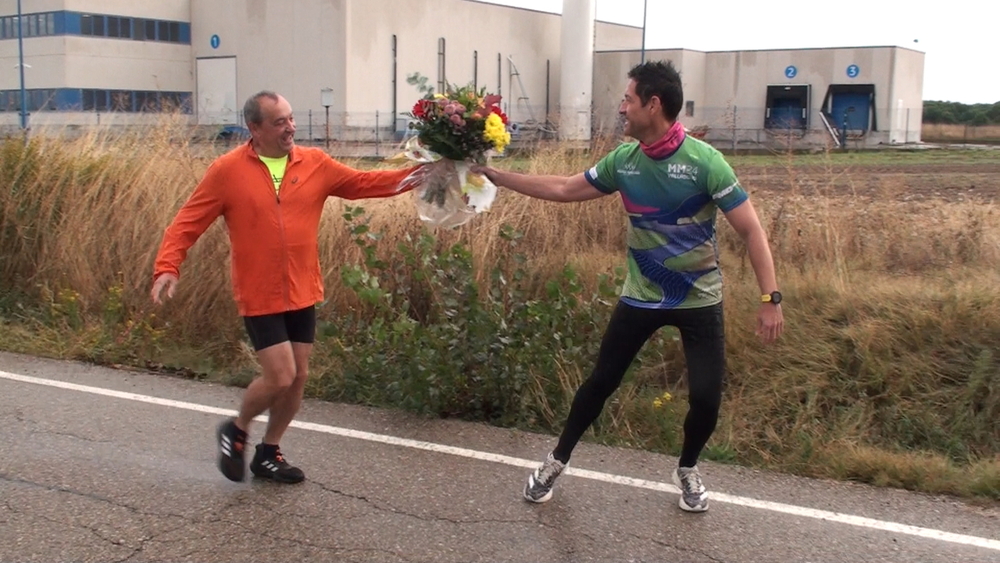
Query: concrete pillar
[[576, 80]]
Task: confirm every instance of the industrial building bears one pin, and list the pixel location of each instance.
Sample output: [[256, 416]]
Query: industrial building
[[858, 96], [344, 66]]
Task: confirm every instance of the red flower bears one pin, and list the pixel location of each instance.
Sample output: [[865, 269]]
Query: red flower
[[498, 111], [421, 108]]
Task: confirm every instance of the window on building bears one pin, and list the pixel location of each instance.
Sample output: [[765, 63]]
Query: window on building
[[95, 100], [94, 25], [121, 100], [41, 100], [69, 99], [140, 101]]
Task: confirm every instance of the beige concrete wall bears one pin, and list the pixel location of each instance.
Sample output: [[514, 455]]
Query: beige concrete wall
[[616, 37], [9, 7], [611, 78], [295, 48], [529, 38], [127, 65], [692, 69], [47, 57], [906, 102], [610, 70], [88, 62]]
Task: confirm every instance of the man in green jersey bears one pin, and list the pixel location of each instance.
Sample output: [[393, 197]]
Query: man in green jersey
[[671, 186]]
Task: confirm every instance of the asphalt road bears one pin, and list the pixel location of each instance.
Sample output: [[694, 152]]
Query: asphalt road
[[105, 465]]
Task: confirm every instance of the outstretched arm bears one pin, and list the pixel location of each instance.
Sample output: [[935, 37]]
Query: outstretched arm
[[198, 213], [745, 222], [551, 188], [348, 183]]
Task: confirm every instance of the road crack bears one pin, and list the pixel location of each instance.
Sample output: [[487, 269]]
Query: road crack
[[432, 518], [662, 543]]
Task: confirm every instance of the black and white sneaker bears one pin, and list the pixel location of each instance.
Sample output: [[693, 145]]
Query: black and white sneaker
[[540, 482], [275, 467], [231, 441], [694, 497]]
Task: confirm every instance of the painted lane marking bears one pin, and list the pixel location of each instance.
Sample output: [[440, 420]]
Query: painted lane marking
[[793, 510]]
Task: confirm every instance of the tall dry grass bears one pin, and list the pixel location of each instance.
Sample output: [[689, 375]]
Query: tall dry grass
[[887, 371], [953, 133]]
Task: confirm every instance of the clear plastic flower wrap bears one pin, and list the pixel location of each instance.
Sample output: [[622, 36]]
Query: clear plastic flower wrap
[[447, 193]]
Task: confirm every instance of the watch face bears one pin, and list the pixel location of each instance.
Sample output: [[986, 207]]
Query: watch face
[[775, 297]]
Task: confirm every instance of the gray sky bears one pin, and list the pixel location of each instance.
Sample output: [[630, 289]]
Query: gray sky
[[958, 37]]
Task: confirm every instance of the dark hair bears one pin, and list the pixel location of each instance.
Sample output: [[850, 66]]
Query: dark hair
[[251, 109], [660, 79]]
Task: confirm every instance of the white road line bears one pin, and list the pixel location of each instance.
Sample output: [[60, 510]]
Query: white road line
[[793, 510]]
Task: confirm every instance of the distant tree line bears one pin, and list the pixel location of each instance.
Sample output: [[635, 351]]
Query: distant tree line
[[961, 114]]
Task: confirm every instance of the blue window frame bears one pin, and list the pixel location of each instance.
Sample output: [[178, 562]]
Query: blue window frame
[[96, 25], [96, 99]]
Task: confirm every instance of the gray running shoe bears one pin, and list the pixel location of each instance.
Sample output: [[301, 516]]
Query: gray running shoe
[[694, 497], [539, 486]]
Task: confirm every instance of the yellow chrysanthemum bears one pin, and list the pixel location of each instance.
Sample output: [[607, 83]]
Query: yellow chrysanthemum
[[496, 133]]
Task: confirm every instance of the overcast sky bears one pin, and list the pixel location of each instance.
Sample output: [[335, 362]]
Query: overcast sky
[[958, 37]]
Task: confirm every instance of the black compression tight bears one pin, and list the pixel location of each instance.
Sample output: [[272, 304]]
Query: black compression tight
[[630, 327]]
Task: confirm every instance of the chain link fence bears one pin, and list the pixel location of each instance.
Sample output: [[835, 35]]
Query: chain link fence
[[382, 132]]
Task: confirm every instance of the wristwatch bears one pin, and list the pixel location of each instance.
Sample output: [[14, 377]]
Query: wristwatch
[[773, 297]]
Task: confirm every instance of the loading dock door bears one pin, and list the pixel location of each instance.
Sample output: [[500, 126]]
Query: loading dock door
[[851, 107], [786, 113], [217, 103], [787, 107]]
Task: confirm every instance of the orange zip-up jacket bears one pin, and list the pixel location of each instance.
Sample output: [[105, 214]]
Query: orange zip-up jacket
[[274, 236]]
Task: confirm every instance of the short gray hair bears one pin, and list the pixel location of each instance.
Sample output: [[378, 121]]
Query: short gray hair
[[251, 110]]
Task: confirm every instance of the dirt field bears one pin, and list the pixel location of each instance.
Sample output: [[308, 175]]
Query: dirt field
[[973, 180]]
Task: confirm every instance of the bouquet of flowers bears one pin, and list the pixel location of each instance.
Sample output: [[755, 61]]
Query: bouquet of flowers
[[454, 130]]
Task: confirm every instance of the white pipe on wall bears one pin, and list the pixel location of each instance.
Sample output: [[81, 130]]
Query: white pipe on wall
[[576, 69]]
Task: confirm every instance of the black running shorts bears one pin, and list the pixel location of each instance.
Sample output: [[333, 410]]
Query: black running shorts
[[291, 326]]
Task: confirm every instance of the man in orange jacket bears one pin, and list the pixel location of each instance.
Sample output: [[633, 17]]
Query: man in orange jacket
[[271, 195]]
